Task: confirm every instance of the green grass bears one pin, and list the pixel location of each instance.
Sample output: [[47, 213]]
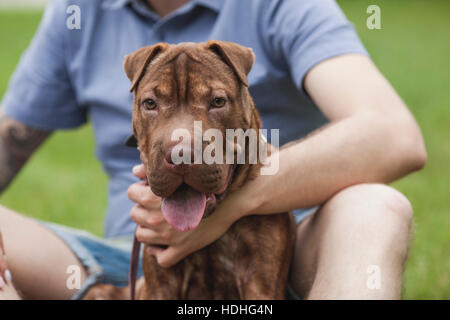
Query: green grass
[[64, 183]]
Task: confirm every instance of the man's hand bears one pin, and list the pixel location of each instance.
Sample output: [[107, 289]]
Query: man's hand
[[167, 244]]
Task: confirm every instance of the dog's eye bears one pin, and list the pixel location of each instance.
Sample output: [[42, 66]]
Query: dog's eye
[[149, 104], [218, 102]]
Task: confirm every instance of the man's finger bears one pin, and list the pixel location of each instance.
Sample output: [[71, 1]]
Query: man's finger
[[149, 237], [146, 218], [168, 257], [154, 250], [143, 195], [5, 275], [140, 172]]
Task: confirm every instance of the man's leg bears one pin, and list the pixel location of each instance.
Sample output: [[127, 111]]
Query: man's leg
[[359, 234], [37, 258]]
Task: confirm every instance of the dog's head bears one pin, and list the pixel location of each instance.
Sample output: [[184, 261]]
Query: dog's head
[[173, 86]]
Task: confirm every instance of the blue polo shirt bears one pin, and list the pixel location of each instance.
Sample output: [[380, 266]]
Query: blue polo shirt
[[68, 76]]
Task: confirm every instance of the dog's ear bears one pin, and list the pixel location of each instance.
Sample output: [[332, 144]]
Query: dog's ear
[[237, 57], [131, 142], [136, 62]]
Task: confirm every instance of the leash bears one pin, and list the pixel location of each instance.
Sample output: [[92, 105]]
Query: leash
[[134, 262], [135, 251]]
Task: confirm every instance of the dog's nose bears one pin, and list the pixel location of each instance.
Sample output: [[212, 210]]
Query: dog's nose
[[179, 156]]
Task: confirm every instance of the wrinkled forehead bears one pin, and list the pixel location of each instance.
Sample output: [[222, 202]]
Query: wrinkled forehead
[[188, 67]]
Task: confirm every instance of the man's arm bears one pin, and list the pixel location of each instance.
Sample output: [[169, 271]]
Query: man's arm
[[17, 144], [372, 137]]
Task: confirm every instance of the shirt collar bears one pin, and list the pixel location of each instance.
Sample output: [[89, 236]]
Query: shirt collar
[[214, 5]]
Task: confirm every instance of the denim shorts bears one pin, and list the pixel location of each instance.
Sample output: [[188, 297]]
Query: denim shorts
[[107, 260]]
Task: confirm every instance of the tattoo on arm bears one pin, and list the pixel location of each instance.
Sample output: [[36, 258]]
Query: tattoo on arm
[[17, 144]]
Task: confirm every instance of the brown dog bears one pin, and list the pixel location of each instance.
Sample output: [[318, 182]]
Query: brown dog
[[175, 85]]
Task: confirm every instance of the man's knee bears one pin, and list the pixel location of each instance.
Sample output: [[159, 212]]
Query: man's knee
[[373, 210], [374, 202]]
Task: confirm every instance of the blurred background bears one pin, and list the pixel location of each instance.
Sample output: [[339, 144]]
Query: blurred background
[[65, 184]]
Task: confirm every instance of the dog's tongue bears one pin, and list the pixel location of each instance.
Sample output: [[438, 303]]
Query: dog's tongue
[[184, 209]]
